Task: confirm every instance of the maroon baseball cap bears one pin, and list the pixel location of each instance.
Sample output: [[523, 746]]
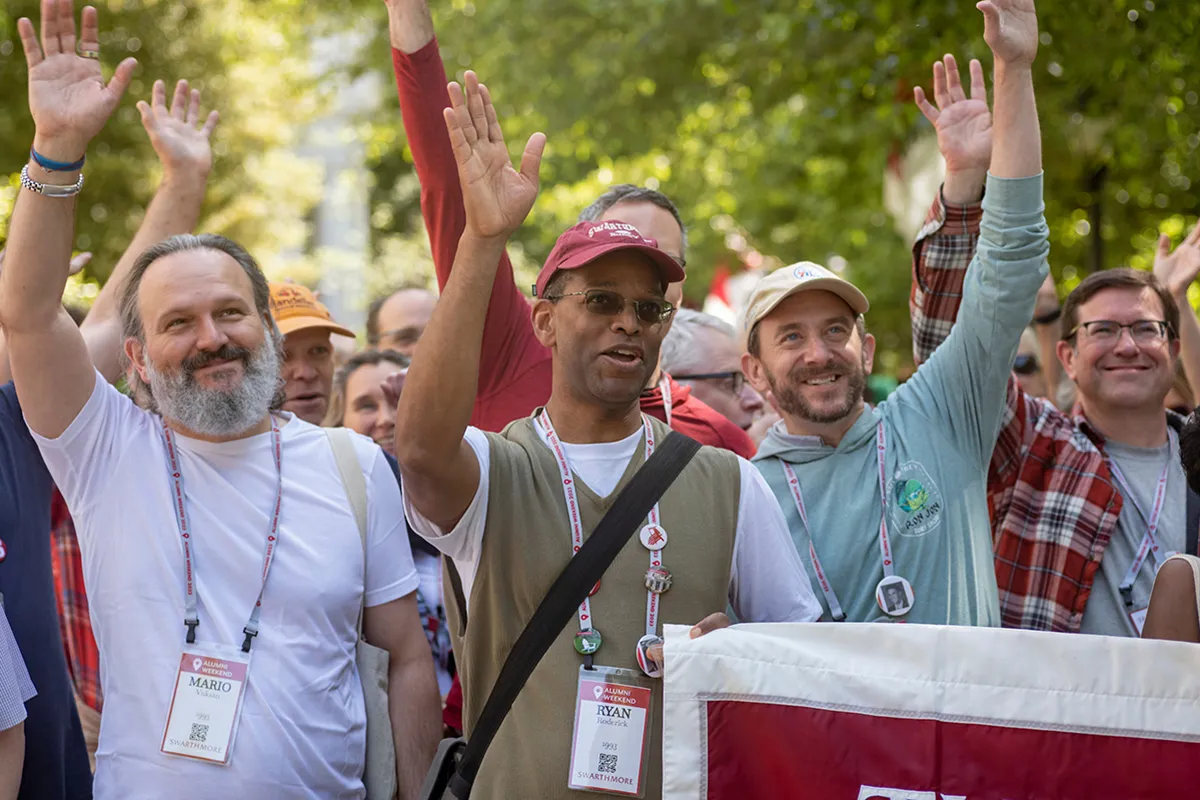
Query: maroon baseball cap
[[584, 242]]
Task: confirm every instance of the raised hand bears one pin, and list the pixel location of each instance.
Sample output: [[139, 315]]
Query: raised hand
[[181, 144], [1010, 30], [963, 124], [68, 98], [1177, 270], [497, 197]]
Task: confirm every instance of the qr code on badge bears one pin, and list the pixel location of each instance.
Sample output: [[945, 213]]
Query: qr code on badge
[[199, 733], [608, 763]]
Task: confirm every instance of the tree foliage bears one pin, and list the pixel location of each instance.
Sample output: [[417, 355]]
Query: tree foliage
[[771, 125]]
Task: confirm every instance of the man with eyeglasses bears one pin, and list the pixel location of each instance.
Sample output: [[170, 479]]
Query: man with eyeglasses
[[514, 376], [701, 352], [509, 509], [396, 321], [1084, 505]]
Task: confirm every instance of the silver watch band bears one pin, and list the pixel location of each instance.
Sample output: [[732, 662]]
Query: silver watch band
[[50, 189]]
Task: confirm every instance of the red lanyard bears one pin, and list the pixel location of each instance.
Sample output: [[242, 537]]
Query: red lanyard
[[191, 593], [885, 547], [586, 625]]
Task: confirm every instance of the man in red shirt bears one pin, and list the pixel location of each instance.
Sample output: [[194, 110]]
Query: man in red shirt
[[514, 375]]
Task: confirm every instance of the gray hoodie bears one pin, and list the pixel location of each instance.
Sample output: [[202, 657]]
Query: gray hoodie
[[940, 429]]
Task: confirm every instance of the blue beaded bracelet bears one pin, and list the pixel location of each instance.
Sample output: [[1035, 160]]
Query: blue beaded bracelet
[[55, 166]]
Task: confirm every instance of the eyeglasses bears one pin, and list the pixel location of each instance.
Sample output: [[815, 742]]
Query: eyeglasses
[[1106, 331], [608, 304], [732, 381], [1025, 364]]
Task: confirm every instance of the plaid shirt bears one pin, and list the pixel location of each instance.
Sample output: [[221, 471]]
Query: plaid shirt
[[83, 656], [1051, 497]]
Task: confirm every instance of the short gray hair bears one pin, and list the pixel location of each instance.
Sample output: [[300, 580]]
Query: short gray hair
[[681, 352], [628, 193], [133, 326]]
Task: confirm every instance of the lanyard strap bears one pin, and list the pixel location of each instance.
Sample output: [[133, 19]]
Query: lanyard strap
[[1149, 545], [568, 484], [191, 591], [885, 548], [664, 386]]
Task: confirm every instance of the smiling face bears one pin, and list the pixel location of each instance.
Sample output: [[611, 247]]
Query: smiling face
[[367, 410], [812, 356], [308, 373], [1120, 374], [207, 354], [603, 360]]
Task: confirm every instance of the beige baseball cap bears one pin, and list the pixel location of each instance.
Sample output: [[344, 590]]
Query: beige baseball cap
[[784, 282]]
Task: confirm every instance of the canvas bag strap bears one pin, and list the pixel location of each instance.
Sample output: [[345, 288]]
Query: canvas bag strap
[[558, 607], [356, 491]]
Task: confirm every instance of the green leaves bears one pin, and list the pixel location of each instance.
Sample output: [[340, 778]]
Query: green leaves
[[772, 126]]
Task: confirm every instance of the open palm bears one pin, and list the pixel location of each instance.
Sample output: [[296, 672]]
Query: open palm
[[963, 124], [1177, 270], [182, 144], [68, 98], [496, 196]]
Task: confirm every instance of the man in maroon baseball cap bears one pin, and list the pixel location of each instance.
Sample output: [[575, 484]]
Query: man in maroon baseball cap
[[509, 509]]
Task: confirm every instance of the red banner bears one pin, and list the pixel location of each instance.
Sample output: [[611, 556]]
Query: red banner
[[923, 712]]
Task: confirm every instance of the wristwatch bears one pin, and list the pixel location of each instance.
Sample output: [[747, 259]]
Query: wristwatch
[[49, 189]]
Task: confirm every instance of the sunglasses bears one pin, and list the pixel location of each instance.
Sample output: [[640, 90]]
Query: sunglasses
[[604, 303]]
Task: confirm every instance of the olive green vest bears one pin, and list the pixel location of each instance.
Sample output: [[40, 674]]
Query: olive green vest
[[526, 544]]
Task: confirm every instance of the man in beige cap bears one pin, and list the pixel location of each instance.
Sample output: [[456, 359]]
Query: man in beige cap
[[307, 367], [888, 504]]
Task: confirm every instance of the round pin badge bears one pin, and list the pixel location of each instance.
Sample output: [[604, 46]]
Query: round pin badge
[[3, 550], [644, 659], [653, 537], [588, 642], [894, 595], [658, 579]]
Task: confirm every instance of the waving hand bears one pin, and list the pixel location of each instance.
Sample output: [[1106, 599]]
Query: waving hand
[[68, 98], [497, 197]]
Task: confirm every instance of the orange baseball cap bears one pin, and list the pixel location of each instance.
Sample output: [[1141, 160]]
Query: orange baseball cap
[[295, 308]]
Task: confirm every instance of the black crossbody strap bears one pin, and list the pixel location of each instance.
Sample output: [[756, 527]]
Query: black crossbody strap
[[568, 591]]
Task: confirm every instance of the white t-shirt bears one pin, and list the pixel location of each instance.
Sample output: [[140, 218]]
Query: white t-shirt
[[303, 724], [767, 582]]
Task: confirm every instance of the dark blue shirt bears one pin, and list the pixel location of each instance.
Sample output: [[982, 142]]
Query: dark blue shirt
[[56, 762]]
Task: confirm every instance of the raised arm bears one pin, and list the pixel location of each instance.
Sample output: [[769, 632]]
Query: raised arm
[[70, 104], [77, 264], [182, 145], [440, 471], [964, 381], [1010, 30], [421, 83], [946, 243], [1177, 271]]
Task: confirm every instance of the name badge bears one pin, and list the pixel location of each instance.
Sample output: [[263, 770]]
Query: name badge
[[610, 744], [207, 703], [1138, 618]]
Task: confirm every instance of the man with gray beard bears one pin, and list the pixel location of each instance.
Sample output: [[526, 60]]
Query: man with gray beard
[[222, 557]]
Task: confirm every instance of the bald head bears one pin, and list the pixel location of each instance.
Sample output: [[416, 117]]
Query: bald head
[[396, 322]]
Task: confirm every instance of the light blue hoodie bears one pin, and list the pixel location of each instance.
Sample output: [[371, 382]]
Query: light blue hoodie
[[941, 426]]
